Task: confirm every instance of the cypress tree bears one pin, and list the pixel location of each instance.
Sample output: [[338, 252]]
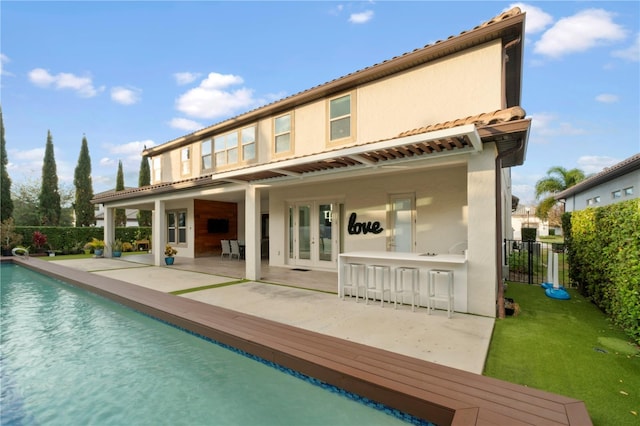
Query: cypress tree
[[6, 203], [85, 212], [49, 198], [144, 179], [121, 214]]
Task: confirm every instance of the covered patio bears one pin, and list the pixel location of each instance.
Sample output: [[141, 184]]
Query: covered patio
[[325, 281]]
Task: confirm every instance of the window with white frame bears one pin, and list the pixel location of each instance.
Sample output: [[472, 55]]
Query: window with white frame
[[205, 155], [248, 138], [177, 227], [594, 200], [185, 161], [282, 133], [340, 118], [157, 169], [616, 194], [628, 191], [234, 147]]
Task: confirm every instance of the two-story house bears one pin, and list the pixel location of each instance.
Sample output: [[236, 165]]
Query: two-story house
[[411, 155]]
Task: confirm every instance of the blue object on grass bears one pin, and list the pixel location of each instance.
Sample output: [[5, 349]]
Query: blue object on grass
[[557, 293]]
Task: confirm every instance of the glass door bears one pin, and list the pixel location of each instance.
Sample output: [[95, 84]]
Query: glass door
[[313, 234], [401, 223]]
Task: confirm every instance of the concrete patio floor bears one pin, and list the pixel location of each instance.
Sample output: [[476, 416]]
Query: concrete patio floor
[[309, 300]]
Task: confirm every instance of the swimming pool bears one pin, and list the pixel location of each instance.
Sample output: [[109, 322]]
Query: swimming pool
[[71, 357]]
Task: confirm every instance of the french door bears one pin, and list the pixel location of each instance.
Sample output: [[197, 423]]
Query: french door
[[313, 234], [401, 223]]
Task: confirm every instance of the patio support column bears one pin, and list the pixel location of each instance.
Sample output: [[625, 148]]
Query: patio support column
[[252, 232], [158, 233], [109, 230], [481, 232]]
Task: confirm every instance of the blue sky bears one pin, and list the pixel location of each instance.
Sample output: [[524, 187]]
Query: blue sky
[[130, 74]]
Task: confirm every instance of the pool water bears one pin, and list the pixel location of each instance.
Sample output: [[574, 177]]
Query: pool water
[[73, 358]]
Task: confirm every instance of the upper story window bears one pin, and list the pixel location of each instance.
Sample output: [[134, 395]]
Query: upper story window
[[227, 149], [594, 200], [248, 137], [282, 133], [616, 194], [185, 161], [205, 155], [341, 118], [628, 191], [157, 169]]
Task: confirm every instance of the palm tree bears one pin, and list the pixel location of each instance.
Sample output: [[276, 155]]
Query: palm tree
[[558, 179]]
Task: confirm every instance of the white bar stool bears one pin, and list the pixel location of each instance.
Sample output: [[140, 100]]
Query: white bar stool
[[355, 279], [400, 286], [434, 296], [378, 282]]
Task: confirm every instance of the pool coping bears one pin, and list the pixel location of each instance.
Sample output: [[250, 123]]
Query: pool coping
[[436, 393]]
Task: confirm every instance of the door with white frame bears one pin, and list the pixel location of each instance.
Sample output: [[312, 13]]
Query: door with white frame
[[401, 229], [313, 234]]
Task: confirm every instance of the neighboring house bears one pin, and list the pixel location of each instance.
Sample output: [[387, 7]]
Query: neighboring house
[[525, 217], [132, 214], [411, 155], [620, 182]]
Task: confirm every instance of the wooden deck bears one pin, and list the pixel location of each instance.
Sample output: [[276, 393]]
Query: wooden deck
[[436, 393]]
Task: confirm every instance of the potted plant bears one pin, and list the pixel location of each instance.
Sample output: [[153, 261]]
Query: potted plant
[[169, 252], [9, 237], [97, 246], [116, 248]]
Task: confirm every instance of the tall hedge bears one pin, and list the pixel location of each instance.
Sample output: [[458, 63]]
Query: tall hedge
[[60, 238], [605, 260]]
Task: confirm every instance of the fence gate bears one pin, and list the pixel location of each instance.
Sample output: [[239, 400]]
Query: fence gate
[[527, 261]]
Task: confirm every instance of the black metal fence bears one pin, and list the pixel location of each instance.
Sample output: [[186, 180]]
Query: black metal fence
[[528, 261]]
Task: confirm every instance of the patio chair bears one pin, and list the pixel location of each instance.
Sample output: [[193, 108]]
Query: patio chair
[[226, 249], [235, 249]]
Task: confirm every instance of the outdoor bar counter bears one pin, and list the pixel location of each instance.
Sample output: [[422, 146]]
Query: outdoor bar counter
[[423, 261]]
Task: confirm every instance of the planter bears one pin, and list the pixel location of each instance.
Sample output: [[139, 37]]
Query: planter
[[169, 260], [116, 253], [98, 252]]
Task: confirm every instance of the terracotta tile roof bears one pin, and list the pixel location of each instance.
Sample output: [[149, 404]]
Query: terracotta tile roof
[[484, 119], [626, 166]]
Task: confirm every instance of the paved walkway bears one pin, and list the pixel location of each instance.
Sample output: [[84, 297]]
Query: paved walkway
[[460, 342]]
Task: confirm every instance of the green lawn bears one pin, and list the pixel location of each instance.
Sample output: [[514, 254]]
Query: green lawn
[[81, 256], [568, 347]]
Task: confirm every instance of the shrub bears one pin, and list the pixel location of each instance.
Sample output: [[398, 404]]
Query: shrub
[[604, 253], [126, 246]]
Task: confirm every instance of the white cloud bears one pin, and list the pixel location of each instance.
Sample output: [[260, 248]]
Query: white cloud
[[125, 95], [607, 98], [537, 19], [4, 59], [595, 164], [183, 78], [35, 154], [546, 125], [212, 99], [631, 53], [185, 124], [129, 153], [578, 33], [83, 86], [362, 17]]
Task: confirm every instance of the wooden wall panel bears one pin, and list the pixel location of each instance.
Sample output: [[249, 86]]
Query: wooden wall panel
[[207, 244]]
